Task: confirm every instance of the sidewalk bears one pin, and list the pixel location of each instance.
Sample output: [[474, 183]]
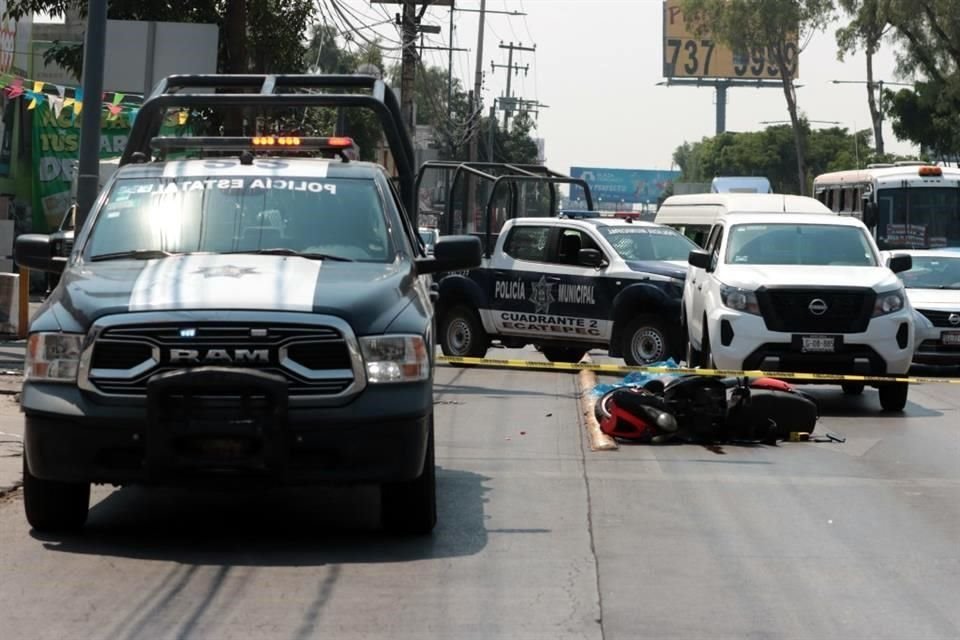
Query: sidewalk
[[11, 432], [11, 420]]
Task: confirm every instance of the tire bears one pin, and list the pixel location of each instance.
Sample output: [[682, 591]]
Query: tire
[[852, 388], [893, 396], [563, 354], [461, 333], [54, 506], [646, 340], [410, 508], [706, 356]]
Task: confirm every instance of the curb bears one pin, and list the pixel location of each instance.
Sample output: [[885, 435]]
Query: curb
[[599, 441]]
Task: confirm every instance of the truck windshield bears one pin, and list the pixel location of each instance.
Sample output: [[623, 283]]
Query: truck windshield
[[229, 214], [648, 243], [918, 218], [800, 244]]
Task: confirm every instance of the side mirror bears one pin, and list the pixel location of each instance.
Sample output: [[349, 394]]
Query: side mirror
[[34, 251], [590, 258], [901, 262], [871, 212], [699, 259], [452, 253]]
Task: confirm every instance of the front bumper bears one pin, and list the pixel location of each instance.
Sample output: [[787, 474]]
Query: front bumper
[[936, 345], [886, 348], [189, 433]]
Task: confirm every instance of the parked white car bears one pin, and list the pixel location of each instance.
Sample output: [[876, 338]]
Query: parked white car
[[805, 293], [933, 287]]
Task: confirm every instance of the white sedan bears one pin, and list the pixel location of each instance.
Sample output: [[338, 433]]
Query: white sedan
[[933, 287]]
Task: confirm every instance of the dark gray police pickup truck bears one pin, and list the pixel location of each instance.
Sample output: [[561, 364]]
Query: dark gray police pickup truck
[[254, 316]]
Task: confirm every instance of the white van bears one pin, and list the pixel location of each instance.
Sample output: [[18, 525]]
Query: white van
[[694, 215], [741, 184]]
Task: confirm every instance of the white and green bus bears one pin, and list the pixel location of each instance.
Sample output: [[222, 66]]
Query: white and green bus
[[907, 205]]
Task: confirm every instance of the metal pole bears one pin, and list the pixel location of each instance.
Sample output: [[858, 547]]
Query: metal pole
[[721, 107], [88, 167]]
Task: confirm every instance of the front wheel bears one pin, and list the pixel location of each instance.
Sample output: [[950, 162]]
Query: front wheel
[[411, 507], [563, 354], [462, 334], [893, 396], [646, 341], [54, 506]]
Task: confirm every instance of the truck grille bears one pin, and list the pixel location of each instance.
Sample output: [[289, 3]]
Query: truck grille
[[941, 318], [314, 360], [789, 310]]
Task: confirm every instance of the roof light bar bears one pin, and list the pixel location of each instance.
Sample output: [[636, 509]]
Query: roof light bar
[[930, 171], [237, 143]]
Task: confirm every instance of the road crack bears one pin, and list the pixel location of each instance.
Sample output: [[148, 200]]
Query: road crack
[[593, 546]]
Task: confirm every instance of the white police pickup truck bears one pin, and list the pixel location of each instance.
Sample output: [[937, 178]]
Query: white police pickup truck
[[570, 285]]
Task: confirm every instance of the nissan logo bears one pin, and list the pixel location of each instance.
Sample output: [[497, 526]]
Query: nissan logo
[[817, 307], [953, 319]]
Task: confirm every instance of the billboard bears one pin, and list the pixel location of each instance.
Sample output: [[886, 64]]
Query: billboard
[[622, 186], [687, 55]]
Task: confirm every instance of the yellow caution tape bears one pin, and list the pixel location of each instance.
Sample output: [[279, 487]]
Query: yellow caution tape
[[719, 373]]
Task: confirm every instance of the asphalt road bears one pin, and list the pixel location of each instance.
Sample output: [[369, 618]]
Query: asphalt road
[[538, 538]]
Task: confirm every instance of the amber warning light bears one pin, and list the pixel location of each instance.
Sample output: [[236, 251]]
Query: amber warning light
[[296, 141], [931, 171]]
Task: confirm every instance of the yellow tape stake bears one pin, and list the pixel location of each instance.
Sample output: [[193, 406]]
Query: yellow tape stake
[[717, 373]]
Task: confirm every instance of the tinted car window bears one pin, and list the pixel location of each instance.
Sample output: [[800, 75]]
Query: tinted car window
[[528, 243], [933, 272], [227, 214]]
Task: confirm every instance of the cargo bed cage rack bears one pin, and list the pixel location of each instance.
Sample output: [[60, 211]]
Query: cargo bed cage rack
[[278, 92], [499, 174]]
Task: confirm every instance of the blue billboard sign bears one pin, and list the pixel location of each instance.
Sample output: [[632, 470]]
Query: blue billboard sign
[[622, 186]]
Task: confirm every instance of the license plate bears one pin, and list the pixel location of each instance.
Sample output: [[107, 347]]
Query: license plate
[[950, 337], [818, 343]]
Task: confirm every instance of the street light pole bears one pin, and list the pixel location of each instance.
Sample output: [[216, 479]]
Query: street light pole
[[88, 167]]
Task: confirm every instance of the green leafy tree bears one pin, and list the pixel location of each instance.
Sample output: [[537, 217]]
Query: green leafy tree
[[866, 29], [928, 33], [260, 36], [768, 153], [771, 24], [451, 121]]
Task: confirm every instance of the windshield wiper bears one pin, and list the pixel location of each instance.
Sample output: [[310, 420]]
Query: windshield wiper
[[293, 252], [139, 254]]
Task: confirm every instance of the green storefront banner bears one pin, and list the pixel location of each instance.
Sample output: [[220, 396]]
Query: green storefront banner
[[56, 148]]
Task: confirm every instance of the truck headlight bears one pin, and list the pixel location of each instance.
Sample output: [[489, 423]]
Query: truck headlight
[[888, 302], [53, 357], [395, 358], [739, 300]]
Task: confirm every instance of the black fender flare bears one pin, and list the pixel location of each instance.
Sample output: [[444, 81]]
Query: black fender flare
[[644, 298], [458, 289]]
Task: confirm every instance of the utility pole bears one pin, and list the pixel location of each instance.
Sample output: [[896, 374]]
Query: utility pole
[[491, 131], [408, 64], [88, 167], [511, 68], [476, 107], [450, 68]]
